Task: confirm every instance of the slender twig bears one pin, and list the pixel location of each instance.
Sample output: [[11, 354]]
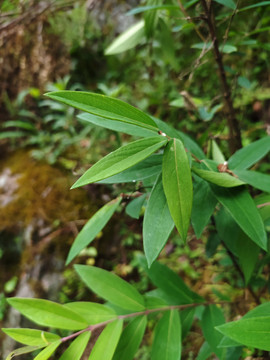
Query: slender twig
[[235, 141]]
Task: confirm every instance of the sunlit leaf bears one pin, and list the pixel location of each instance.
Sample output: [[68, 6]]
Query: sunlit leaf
[[219, 178], [22, 350], [77, 347], [93, 313], [111, 287], [31, 337], [48, 351]]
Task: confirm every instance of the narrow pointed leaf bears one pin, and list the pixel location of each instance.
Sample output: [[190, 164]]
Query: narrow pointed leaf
[[255, 179], [121, 159], [111, 287], [151, 166], [48, 351], [130, 339], [157, 223], [48, 313], [204, 203], [216, 153], [134, 208], [116, 125], [92, 228], [262, 310], [31, 337], [22, 350], [104, 106], [167, 337], [212, 317], [77, 347], [218, 178], [127, 40], [254, 332], [229, 3], [93, 313], [177, 184], [105, 345], [205, 352], [250, 154], [242, 208]]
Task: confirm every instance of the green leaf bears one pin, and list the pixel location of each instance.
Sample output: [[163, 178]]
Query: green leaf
[[217, 153], [142, 9], [111, 287], [242, 208], [205, 352], [31, 337], [229, 3], [116, 125], [167, 337], [157, 223], [48, 313], [227, 342], [262, 310], [77, 347], [170, 283], [187, 318], [130, 339], [204, 203], [218, 178], [106, 343], [93, 313], [255, 179], [244, 82], [177, 184], [104, 106], [92, 228], [134, 208], [212, 317], [249, 155], [121, 159], [22, 350], [48, 351], [253, 6], [127, 40], [254, 332], [151, 18], [149, 167]]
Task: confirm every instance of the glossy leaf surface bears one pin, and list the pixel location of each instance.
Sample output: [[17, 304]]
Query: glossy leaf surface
[[92, 228], [111, 287], [121, 159]]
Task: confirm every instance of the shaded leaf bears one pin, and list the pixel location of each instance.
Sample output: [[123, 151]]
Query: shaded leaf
[[127, 40], [255, 179], [106, 343], [177, 184], [134, 208], [92, 228], [48, 313], [142, 9], [111, 287], [130, 339], [229, 3], [218, 178], [104, 106], [22, 350], [167, 337], [121, 159], [157, 223], [217, 153], [77, 347], [31, 337], [205, 352], [250, 154], [93, 313], [242, 208]]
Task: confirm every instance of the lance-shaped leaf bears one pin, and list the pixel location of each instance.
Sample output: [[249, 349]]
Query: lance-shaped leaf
[[48, 313], [167, 337], [177, 184], [48, 351], [134, 208], [121, 159], [77, 347], [93, 313], [242, 208], [116, 125], [212, 317], [218, 178], [217, 154], [31, 337], [130, 339], [22, 350], [127, 40], [105, 345], [111, 287], [255, 179], [229, 3], [104, 106], [249, 155], [92, 228], [204, 203], [151, 166], [157, 223]]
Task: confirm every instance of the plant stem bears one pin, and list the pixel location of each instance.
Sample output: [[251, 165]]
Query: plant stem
[[235, 141]]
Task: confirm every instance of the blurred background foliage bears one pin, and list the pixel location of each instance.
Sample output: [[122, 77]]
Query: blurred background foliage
[[58, 45]]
